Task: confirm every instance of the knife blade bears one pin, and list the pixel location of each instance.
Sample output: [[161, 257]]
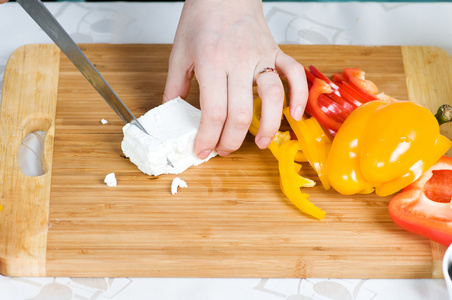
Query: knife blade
[[44, 18]]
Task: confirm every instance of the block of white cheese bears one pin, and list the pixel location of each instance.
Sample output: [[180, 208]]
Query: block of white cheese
[[172, 129]]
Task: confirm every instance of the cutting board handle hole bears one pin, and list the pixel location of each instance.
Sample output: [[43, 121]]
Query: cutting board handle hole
[[32, 153]]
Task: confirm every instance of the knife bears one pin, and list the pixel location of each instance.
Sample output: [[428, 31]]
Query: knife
[[42, 16]]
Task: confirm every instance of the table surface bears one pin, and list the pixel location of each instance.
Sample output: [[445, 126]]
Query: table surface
[[348, 23]]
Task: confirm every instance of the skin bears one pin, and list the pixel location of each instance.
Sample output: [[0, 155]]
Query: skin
[[225, 44]]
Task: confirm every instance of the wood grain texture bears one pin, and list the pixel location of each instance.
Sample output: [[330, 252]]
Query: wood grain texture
[[232, 221], [28, 104], [429, 79]]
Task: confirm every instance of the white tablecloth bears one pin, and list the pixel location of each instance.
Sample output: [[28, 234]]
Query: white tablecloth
[[349, 23]]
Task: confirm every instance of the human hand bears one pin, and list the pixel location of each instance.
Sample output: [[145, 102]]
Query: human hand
[[225, 44], [3, 1]]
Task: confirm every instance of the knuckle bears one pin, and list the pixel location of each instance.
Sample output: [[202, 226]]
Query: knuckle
[[270, 128], [296, 68], [242, 119], [274, 91], [215, 115]]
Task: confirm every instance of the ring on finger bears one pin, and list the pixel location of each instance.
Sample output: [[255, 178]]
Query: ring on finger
[[265, 70]]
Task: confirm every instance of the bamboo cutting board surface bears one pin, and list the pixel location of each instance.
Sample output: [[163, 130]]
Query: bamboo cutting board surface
[[232, 221]]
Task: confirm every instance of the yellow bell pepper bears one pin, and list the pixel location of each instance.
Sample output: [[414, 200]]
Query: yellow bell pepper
[[384, 147]]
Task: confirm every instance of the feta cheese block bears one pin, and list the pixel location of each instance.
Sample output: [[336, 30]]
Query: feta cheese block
[[172, 129]]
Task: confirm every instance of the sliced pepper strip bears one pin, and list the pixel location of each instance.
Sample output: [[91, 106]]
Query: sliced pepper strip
[[254, 126], [279, 138], [314, 143], [356, 78], [291, 181], [312, 107]]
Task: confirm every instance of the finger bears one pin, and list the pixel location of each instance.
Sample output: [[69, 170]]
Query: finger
[[271, 91], [298, 87], [240, 113], [213, 102], [179, 77]]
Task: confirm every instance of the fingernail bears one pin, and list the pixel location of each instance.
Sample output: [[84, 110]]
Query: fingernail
[[298, 113], [263, 142], [223, 153], [204, 154]]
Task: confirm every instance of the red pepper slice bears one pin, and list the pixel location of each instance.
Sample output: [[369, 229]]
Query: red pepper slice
[[349, 90], [347, 97], [328, 112], [342, 102], [424, 207], [356, 78], [312, 107], [345, 86], [309, 76], [339, 77], [337, 112], [350, 96], [320, 75]]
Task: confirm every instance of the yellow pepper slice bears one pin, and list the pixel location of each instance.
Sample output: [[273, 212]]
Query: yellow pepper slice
[[291, 181], [384, 146], [254, 126], [286, 151], [314, 143], [279, 138]]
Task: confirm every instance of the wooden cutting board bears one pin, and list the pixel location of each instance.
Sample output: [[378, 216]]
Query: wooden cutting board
[[232, 221]]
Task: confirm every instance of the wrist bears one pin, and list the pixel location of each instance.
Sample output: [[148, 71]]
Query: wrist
[[221, 4]]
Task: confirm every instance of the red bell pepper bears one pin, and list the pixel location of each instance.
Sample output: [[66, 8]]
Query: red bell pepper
[[424, 207]]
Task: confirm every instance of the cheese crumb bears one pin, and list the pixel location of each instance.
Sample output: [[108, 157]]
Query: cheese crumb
[[177, 182], [103, 121], [110, 180]]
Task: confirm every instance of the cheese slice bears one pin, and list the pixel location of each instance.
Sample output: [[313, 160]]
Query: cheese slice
[[172, 129]]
